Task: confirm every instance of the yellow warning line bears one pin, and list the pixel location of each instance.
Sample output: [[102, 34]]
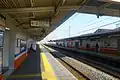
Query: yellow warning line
[[49, 73]]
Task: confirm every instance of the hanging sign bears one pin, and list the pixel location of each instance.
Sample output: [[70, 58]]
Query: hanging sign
[[40, 23]]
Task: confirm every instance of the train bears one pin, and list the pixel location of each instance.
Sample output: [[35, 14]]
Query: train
[[105, 41]]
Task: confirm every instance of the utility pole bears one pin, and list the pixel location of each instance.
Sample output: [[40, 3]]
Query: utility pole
[[69, 30]]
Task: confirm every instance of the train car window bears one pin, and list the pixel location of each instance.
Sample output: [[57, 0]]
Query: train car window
[[72, 44], [77, 44], [108, 44], [105, 43], [22, 45], [18, 42], [80, 42]]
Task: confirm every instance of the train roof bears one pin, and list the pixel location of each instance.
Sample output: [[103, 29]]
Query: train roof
[[98, 33]]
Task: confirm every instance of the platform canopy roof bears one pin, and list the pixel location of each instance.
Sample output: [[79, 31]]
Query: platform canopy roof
[[39, 17]]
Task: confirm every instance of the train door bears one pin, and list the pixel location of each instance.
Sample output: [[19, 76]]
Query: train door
[[118, 44], [77, 44]]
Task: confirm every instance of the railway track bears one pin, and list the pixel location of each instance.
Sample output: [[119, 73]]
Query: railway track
[[75, 72], [85, 61]]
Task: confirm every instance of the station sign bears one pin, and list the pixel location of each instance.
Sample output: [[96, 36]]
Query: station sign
[[40, 23]]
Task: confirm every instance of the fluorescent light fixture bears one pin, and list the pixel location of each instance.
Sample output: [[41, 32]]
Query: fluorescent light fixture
[[6, 28], [115, 0], [110, 0]]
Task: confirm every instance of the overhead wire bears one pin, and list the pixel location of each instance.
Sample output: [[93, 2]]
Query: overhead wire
[[82, 4], [93, 23], [98, 27], [96, 22], [88, 21]]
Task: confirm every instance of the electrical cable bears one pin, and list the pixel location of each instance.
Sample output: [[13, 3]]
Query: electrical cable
[[96, 22], [98, 27]]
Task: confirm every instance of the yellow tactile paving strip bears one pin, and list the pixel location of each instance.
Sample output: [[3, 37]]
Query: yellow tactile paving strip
[[60, 71], [49, 73]]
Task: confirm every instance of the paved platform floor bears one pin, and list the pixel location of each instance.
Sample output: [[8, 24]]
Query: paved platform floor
[[30, 68], [60, 71], [36, 66]]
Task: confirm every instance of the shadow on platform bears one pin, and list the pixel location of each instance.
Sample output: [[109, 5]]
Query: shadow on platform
[[30, 68]]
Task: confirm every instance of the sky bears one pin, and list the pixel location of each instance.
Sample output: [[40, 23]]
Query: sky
[[80, 23]]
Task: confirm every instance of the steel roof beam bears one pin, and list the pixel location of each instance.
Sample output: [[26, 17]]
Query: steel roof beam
[[24, 10], [102, 11], [85, 9], [37, 9], [32, 5], [59, 4], [23, 17]]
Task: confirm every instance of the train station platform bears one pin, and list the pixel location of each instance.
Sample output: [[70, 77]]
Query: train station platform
[[29, 69], [41, 65], [54, 67]]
